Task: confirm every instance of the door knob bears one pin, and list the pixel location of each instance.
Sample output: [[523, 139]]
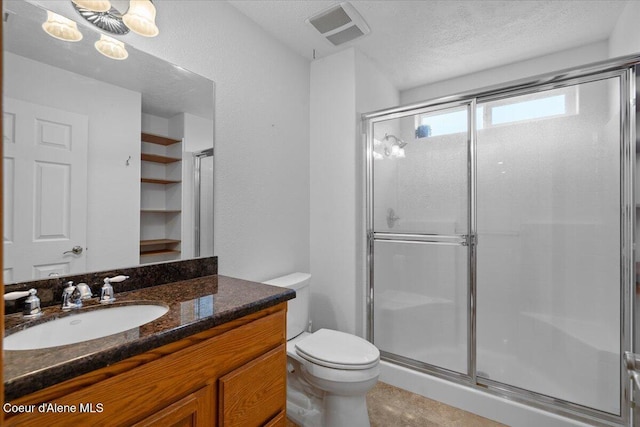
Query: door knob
[[76, 250]]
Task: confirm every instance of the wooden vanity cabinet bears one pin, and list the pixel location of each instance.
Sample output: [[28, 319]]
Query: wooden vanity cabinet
[[231, 375]]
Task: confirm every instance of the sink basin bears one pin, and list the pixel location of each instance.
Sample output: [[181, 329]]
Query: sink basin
[[84, 326]]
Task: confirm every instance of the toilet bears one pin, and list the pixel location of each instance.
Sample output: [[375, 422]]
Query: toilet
[[328, 372]]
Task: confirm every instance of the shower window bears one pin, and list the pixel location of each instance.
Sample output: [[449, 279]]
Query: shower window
[[525, 108], [439, 124]]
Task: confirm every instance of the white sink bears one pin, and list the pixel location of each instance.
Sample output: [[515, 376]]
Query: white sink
[[84, 326]]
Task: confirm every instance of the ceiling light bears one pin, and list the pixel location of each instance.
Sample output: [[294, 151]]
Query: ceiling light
[[94, 5], [61, 28], [139, 17], [111, 48]]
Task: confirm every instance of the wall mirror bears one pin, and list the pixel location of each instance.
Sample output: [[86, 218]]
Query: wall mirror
[[107, 163]]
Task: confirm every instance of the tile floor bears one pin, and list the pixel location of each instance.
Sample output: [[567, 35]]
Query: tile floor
[[392, 406]]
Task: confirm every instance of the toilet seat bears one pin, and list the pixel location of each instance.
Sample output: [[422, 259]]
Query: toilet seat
[[338, 350]]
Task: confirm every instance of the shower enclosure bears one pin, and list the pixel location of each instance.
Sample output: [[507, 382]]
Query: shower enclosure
[[500, 239]]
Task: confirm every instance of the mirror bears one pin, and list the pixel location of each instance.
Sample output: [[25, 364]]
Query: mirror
[[88, 185]]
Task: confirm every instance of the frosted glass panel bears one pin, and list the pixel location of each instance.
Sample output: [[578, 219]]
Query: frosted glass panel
[[420, 302], [420, 179], [548, 270]]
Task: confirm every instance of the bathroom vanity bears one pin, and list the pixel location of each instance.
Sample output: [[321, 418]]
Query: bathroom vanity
[[218, 357]]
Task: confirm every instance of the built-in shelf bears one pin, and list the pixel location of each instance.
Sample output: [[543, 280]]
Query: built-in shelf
[[158, 247], [158, 242], [159, 181], [158, 159], [160, 210], [157, 139], [159, 252]]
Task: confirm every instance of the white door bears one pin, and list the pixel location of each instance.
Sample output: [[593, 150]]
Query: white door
[[45, 191]]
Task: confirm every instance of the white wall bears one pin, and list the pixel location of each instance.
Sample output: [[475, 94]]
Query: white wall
[[113, 187], [343, 86], [518, 70], [333, 191], [625, 39], [262, 132]]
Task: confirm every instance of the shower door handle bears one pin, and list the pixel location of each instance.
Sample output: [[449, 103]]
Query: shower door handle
[[632, 362]]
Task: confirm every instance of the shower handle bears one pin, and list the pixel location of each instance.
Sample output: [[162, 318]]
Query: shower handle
[[392, 218], [632, 362]]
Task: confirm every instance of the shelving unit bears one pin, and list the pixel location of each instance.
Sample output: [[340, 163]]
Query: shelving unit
[[161, 198]]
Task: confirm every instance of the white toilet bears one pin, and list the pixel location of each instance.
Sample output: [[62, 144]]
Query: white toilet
[[329, 372]]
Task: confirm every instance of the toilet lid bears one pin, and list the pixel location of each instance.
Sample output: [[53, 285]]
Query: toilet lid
[[339, 350]]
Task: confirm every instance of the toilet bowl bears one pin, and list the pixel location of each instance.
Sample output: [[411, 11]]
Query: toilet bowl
[[329, 372]]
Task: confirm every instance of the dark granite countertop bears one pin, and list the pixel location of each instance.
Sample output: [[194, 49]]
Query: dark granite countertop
[[194, 306]]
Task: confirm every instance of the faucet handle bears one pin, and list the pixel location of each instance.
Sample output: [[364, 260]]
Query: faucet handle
[[32, 305], [70, 288], [106, 294], [12, 296]]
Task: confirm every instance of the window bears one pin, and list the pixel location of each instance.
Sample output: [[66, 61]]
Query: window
[[543, 105], [529, 110]]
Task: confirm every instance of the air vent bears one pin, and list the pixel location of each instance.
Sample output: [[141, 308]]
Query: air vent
[[340, 24]]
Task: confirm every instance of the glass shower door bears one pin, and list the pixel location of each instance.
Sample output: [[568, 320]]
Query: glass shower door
[[418, 228], [203, 223], [548, 254]]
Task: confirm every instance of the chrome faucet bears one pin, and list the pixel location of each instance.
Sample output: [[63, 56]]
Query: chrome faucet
[[71, 297], [31, 304]]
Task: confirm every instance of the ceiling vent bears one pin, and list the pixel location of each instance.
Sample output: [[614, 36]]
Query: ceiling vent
[[340, 24]]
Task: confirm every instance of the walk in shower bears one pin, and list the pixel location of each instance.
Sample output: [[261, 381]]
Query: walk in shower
[[500, 229]]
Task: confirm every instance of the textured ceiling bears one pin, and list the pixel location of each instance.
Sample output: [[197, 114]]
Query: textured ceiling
[[420, 42]]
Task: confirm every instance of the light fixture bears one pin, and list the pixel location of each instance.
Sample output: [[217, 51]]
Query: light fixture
[[61, 28], [139, 17], [112, 48], [94, 5]]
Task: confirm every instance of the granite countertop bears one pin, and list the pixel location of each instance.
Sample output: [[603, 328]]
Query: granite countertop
[[194, 306]]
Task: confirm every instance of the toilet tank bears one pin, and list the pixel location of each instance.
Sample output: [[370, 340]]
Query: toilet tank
[[298, 309]]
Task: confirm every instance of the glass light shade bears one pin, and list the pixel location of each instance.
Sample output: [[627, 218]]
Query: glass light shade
[[61, 28], [111, 48], [141, 17], [94, 5]]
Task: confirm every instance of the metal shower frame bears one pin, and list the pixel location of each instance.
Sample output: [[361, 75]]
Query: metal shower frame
[[628, 70]]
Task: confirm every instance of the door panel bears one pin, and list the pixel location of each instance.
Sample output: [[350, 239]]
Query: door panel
[[420, 224], [420, 308], [548, 257], [45, 150]]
